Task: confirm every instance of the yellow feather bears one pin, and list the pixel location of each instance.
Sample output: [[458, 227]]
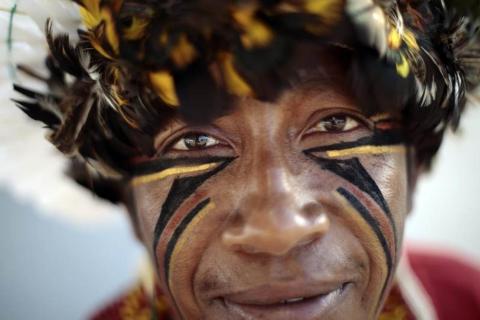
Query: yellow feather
[[163, 38], [137, 29], [98, 47], [127, 119], [184, 52], [90, 13], [394, 39], [121, 101], [164, 86], [110, 29], [256, 33], [93, 6], [403, 68], [410, 40], [329, 10], [286, 8], [234, 82], [243, 15], [89, 19]]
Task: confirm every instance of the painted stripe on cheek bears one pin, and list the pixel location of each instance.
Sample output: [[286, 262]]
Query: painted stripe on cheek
[[375, 249], [382, 142], [181, 237], [380, 217], [354, 172], [181, 189], [375, 228]]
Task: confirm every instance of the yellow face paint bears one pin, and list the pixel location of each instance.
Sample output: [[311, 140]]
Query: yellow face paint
[[184, 239], [371, 150], [170, 172]]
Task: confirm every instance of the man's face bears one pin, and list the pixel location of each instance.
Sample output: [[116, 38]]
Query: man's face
[[285, 210]]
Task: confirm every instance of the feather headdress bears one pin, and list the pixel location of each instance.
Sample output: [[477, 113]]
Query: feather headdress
[[138, 62], [31, 168]]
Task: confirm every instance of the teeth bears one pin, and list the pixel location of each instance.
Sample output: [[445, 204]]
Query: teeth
[[293, 300]]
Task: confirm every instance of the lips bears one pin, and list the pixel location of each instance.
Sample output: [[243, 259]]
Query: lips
[[300, 300]]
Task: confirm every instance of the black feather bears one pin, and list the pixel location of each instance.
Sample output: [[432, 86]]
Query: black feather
[[36, 112]]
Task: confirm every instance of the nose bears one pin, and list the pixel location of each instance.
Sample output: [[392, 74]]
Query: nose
[[275, 218]]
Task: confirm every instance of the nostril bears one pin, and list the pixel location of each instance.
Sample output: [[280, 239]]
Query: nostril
[[312, 211], [236, 221]]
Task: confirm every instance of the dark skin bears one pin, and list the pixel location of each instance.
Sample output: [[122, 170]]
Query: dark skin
[[291, 209]]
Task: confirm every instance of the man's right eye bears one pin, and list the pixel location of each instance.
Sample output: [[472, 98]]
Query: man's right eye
[[194, 141]]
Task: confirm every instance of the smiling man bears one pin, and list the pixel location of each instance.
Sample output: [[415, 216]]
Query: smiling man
[[267, 151]]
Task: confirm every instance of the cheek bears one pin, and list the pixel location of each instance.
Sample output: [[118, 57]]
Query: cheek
[[148, 203], [175, 219], [393, 180], [369, 194]]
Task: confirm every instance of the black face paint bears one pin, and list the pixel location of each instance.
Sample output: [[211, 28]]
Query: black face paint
[[181, 189], [375, 226], [354, 172], [178, 232], [158, 165]]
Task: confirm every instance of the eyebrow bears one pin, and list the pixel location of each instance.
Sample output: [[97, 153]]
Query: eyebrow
[[315, 78]]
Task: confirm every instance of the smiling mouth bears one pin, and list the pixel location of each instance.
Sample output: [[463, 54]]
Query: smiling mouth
[[307, 306]]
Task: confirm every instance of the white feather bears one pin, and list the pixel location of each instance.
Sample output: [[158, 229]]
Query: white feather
[[32, 169], [63, 12], [370, 22]]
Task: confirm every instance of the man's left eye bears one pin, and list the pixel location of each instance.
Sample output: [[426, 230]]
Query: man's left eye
[[195, 141], [336, 123]]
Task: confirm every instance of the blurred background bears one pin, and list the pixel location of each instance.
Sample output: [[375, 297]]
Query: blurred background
[[57, 266]]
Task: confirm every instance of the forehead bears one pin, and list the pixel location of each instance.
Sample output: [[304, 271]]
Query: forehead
[[202, 97]]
